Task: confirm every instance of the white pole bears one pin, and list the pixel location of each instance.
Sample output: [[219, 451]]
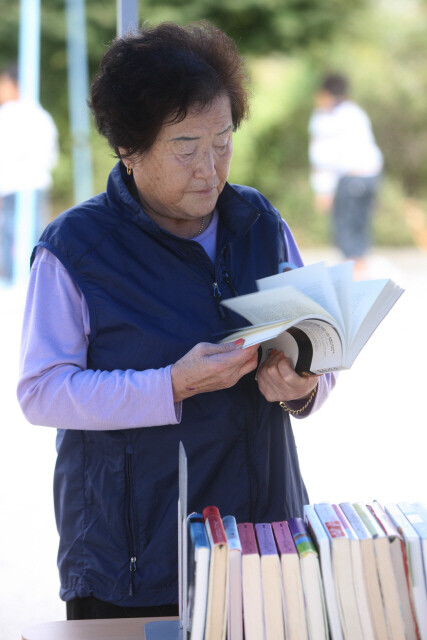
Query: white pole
[[77, 95], [29, 89], [127, 16]]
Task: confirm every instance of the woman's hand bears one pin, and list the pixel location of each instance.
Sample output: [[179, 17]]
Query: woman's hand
[[277, 380], [209, 367]]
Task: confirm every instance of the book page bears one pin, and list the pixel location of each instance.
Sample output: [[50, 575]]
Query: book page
[[284, 304], [384, 297], [342, 279], [364, 295], [316, 347], [314, 281]]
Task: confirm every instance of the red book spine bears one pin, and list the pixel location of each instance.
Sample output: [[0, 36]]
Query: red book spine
[[213, 522]]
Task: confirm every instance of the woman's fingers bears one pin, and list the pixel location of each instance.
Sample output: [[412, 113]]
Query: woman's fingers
[[209, 367], [278, 381]]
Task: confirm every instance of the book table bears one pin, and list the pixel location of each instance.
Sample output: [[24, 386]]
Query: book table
[[106, 629]]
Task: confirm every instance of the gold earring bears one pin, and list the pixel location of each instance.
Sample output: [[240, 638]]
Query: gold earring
[[129, 171]]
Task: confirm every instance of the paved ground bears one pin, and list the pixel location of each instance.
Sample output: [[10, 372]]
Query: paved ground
[[368, 441]]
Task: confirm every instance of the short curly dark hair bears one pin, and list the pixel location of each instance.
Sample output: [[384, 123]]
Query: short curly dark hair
[[154, 76]]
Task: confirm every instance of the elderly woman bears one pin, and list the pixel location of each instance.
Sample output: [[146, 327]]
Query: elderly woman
[[120, 343]]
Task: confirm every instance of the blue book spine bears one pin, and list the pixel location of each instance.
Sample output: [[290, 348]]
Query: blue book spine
[[330, 521], [316, 526], [230, 527], [197, 530], [356, 523], [416, 513]]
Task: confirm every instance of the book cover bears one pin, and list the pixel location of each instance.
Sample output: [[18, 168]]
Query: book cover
[[400, 567], [322, 543], [293, 595], [416, 513], [316, 616], [385, 569], [198, 576], [342, 570], [358, 576], [217, 604], [414, 556], [370, 573], [271, 582], [235, 598], [253, 606]]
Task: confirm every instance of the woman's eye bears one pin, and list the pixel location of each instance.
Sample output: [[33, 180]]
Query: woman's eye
[[221, 147]]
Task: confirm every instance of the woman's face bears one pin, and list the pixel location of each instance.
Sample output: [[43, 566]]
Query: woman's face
[[181, 176]]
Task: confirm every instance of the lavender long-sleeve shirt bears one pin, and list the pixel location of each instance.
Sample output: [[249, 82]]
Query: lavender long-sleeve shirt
[[57, 389]]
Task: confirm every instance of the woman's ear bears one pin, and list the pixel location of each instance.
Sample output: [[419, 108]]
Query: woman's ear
[[127, 160]]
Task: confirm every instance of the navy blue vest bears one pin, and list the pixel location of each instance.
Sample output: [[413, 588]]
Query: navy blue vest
[[151, 297]]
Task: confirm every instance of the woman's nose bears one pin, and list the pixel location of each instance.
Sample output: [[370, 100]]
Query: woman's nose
[[205, 167]]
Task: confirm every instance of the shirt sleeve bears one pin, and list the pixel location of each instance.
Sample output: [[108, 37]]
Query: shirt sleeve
[[326, 381], [55, 386]]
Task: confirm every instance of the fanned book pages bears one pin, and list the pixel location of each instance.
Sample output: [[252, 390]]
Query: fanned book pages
[[318, 315]]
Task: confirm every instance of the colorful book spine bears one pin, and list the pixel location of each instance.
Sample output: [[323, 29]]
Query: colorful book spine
[[231, 532], [214, 526], [355, 521], [247, 538], [330, 520], [197, 531], [285, 542], [302, 538], [265, 537]]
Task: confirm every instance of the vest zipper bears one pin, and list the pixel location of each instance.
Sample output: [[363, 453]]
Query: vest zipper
[[130, 521], [230, 283], [217, 296]]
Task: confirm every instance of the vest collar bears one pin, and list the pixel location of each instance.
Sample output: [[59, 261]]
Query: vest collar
[[236, 212]]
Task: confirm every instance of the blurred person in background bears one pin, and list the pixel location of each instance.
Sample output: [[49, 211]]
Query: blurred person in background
[[28, 153], [346, 164], [123, 318]]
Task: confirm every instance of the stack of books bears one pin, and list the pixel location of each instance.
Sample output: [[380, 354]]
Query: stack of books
[[348, 571]]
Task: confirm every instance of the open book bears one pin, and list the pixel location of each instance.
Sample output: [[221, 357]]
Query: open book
[[317, 315]]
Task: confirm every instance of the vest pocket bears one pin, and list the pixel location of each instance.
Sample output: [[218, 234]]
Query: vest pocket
[[132, 539]]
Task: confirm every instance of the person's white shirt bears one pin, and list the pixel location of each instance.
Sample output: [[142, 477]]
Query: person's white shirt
[[341, 143], [29, 147]]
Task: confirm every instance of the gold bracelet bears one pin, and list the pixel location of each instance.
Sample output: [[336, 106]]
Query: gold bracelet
[[295, 412]]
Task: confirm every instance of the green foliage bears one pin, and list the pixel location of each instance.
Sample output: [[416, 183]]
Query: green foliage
[[288, 44], [259, 26]]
